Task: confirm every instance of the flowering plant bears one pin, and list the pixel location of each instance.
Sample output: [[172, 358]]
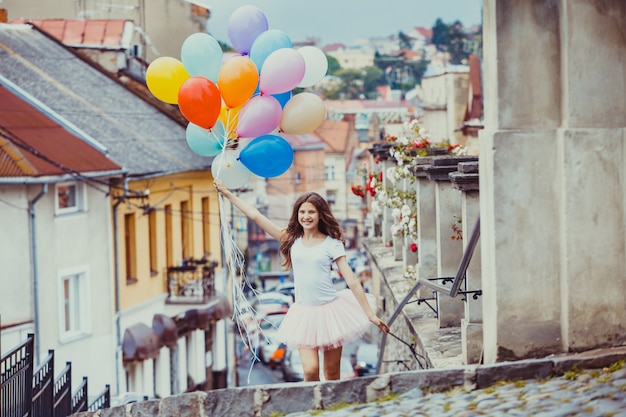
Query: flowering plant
[[414, 142]]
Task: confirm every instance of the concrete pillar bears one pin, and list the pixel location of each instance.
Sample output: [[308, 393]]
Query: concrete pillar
[[181, 350], [450, 251], [387, 216], [408, 256], [552, 162], [426, 227], [472, 322], [162, 373], [592, 145], [148, 376]]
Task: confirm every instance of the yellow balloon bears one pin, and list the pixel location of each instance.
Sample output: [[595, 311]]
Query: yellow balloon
[[230, 120], [303, 113], [238, 79], [164, 77]]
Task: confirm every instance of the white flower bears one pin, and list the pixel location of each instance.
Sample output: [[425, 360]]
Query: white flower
[[406, 210], [395, 229], [396, 212], [403, 140], [391, 174]]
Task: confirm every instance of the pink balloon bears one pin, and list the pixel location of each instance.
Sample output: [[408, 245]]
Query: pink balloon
[[282, 71], [259, 116]]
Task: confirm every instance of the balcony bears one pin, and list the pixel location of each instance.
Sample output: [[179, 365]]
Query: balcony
[[191, 283]]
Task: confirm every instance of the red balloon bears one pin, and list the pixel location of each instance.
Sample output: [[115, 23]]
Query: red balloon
[[199, 100]]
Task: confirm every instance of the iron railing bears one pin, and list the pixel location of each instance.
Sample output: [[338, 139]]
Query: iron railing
[[16, 380], [192, 282], [28, 393]]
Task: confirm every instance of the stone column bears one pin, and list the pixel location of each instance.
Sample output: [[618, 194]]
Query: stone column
[[449, 251], [466, 180], [552, 162], [426, 229]]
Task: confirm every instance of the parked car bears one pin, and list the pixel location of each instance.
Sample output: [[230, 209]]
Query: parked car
[[268, 343], [366, 359], [286, 288], [267, 302], [294, 372]]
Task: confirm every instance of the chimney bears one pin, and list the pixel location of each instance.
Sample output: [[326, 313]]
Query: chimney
[[4, 16]]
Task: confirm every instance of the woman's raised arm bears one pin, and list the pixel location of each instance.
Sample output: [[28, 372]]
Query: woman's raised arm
[[249, 210]]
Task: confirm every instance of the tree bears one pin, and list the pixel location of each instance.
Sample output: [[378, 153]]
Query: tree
[[333, 64], [456, 43], [440, 35], [404, 41]]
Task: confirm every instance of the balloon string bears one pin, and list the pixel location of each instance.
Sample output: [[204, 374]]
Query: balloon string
[[244, 315]]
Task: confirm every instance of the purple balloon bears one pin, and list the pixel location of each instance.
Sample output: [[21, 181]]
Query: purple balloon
[[244, 25], [259, 116]]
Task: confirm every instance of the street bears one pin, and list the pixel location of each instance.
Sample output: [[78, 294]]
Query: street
[[260, 374]]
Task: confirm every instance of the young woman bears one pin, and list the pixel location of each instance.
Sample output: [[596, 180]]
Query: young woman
[[321, 317]]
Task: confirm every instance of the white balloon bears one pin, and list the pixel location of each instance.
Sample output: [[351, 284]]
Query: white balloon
[[227, 168], [315, 65]]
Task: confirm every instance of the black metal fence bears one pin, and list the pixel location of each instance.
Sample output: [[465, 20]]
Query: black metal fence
[[28, 393]]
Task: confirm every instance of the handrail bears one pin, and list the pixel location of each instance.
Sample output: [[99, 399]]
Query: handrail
[[429, 283]]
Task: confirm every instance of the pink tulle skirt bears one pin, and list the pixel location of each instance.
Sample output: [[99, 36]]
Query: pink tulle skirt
[[325, 326]]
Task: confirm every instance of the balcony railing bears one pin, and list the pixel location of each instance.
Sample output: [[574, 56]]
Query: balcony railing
[[191, 283]]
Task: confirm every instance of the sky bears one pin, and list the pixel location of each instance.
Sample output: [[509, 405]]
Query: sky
[[342, 21]]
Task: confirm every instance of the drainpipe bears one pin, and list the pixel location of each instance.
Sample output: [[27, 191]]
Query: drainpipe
[[116, 272], [33, 249]]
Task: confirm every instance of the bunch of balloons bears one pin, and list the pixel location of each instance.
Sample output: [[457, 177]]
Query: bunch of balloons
[[247, 97]]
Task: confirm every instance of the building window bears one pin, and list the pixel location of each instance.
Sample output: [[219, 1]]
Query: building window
[[69, 198], [330, 172], [169, 247], [185, 230], [206, 227], [74, 316], [130, 240], [152, 241]]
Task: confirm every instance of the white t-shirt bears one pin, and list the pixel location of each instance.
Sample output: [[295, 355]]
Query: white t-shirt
[[311, 270]]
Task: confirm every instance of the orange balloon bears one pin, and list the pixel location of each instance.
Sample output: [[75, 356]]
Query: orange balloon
[[199, 101], [238, 79], [230, 119]]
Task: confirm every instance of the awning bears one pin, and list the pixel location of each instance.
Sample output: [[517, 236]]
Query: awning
[[140, 343], [166, 330]]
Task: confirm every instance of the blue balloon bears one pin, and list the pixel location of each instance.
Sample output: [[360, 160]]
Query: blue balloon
[[266, 43], [206, 142], [282, 98], [202, 55], [267, 156]]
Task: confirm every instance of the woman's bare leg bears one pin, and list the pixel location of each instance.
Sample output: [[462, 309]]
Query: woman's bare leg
[[332, 364], [310, 364]]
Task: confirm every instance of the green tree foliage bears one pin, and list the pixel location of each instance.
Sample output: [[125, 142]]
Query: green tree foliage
[[333, 64], [404, 41], [457, 40], [354, 83], [440, 35]]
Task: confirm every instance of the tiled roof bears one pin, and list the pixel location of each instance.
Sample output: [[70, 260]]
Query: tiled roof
[[33, 145], [91, 33], [335, 133], [304, 141], [137, 136]]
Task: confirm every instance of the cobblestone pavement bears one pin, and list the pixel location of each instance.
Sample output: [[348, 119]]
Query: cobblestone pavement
[[594, 392]]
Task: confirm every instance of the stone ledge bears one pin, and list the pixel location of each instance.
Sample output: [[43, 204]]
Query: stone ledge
[[267, 400]]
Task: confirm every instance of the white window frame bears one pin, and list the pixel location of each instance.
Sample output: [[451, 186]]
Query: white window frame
[[81, 200], [80, 314]]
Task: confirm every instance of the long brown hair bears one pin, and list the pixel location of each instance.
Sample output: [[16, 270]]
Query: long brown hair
[[328, 225]]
